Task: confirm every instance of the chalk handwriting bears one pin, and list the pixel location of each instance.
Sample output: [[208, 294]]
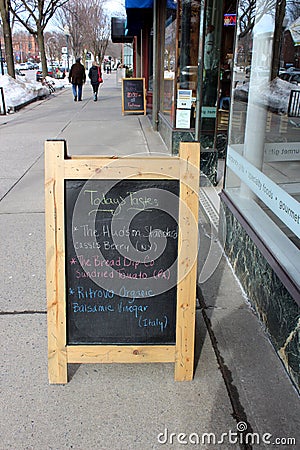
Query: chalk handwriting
[[145, 322], [139, 293], [87, 308], [114, 205], [131, 308]]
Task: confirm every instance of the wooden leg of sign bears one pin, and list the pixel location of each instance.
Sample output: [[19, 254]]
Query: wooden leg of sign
[[57, 355], [187, 261]]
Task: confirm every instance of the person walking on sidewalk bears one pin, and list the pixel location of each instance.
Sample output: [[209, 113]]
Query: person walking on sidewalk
[[95, 76], [77, 79]]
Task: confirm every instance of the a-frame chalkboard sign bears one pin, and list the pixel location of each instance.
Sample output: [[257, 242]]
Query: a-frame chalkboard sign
[[133, 96], [121, 255]]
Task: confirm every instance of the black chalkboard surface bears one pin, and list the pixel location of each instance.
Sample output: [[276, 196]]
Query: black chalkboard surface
[[121, 261], [133, 95]]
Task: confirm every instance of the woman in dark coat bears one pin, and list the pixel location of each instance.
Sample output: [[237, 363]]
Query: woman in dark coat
[[95, 74]]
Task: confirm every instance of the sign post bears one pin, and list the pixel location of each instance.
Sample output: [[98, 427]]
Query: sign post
[[121, 237]]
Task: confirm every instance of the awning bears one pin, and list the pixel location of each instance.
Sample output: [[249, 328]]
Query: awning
[[137, 18], [172, 4], [138, 4]]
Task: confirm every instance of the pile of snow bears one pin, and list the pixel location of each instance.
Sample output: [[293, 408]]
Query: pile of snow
[[274, 95], [19, 91], [277, 94]]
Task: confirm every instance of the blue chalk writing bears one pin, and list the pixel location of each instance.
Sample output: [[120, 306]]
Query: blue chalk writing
[[87, 308], [148, 322]]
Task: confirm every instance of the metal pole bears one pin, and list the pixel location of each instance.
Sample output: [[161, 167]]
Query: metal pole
[[156, 64], [67, 36], [3, 100], [1, 57]]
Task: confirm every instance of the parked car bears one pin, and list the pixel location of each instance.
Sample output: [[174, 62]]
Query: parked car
[[30, 65], [23, 66], [39, 74], [19, 72], [291, 77]]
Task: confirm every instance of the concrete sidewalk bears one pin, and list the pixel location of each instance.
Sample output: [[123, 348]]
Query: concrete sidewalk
[[239, 381]]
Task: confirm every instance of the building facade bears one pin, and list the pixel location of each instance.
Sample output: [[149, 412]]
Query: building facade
[[25, 47], [224, 73]]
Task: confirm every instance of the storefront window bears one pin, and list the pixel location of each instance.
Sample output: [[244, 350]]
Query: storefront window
[[150, 61], [263, 156], [181, 62], [169, 63], [213, 25], [188, 72]]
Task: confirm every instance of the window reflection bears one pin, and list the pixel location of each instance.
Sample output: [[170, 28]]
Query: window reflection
[[213, 26], [169, 63], [181, 56], [265, 112]]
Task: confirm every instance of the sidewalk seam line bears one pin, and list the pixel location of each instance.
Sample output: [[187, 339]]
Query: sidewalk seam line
[[19, 179], [239, 413]]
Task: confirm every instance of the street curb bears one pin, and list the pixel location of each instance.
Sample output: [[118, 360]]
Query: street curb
[[12, 109], [28, 102]]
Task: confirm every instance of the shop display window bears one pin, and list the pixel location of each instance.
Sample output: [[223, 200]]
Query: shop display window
[[211, 38], [169, 71], [263, 154], [181, 75]]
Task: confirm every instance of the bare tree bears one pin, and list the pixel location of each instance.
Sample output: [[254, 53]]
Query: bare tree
[[99, 29], [251, 11], [73, 15], [88, 26], [34, 15], [277, 38], [53, 45], [5, 17], [293, 10]]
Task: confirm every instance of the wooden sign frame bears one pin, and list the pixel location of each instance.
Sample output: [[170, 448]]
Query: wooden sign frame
[[132, 111], [60, 167]]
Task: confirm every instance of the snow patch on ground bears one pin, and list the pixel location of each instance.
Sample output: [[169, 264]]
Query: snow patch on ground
[[18, 91], [274, 94]]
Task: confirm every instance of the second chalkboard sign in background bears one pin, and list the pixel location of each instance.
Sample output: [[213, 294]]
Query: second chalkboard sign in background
[[121, 237], [133, 95]]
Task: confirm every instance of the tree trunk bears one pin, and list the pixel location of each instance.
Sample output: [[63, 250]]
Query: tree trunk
[[7, 38], [277, 39], [41, 44]]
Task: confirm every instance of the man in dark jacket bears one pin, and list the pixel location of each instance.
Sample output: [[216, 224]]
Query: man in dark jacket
[[77, 78]]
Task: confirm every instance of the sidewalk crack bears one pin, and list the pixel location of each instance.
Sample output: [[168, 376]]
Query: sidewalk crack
[[239, 413]]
